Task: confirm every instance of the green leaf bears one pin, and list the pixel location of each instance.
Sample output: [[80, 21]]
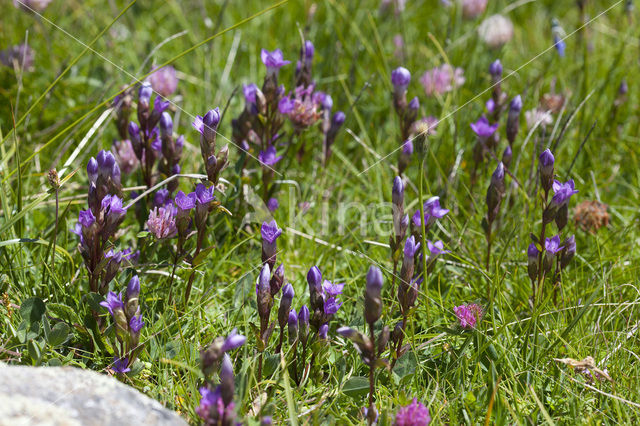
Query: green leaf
[[356, 386], [93, 300], [202, 255], [142, 234], [32, 309], [62, 311], [35, 352], [59, 334]]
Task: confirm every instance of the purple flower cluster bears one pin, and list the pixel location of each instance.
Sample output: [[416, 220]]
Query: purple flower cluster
[[99, 223], [216, 403], [414, 414], [214, 160], [441, 80], [468, 315]]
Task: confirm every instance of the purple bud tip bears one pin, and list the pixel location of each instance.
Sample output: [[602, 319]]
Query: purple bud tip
[[374, 279], [293, 317], [92, 168], [495, 69], [414, 104], [166, 123], [532, 251], [498, 173], [133, 288], [314, 277], [303, 315], [288, 292], [400, 78], [145, 92], [133, 129], [547, 159], [233, 341], [516, 104], [323, 331], [338, 118], [308, 50], [226, 370], [212, 118], [398, 186]]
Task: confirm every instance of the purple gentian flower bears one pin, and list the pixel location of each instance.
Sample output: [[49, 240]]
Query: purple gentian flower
[[112, 205], [286, 105], [233, 341], [331, 289], [269, 157], [249, 92], [414, 414], [185, 201], [204, 195], [432, 212], [86, 218], [483, 129], [209, 122], [136, 324], [410, 247], [436, 248], [552, 245], [270, 231], [120, 365], [113, 302], [563, 192], [331, 306], [273, 60]]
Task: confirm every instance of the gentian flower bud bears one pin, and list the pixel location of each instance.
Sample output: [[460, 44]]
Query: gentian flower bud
[[414, 105], [372, 300], [233, 341], [545, 167], [303, 324], [400, 78], [397, 193], [132, 296], [507, 155], [270, 233], [263, 294], [144, 94], [307, 52], [513, 119], [568, 252], [532, 265], [398, 331], [323, 331], [227, 385], [314, 279], [277, 280], [410, 250], [92, 170], [166, 124], [383, 339], [495, 69], [495, 193], [285, 304], [292, 323]]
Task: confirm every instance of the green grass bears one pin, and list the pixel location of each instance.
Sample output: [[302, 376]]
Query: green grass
[[502, 373]]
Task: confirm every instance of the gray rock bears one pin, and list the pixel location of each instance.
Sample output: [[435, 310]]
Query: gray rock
[[72, 396]]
